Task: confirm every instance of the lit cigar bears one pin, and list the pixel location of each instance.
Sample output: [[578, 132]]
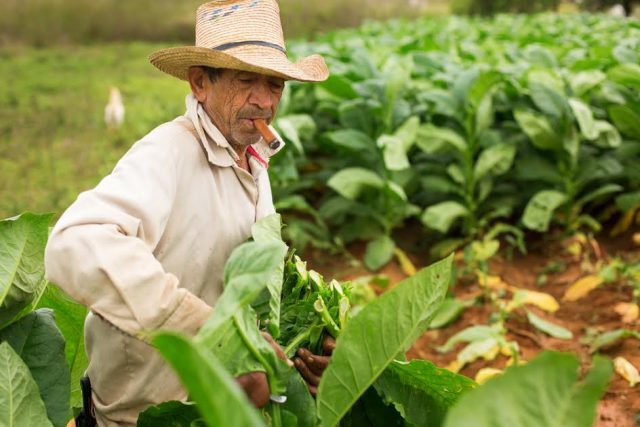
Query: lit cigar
[[266, 133]]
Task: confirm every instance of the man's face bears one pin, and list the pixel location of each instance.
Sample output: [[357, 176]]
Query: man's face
[[235, 98]]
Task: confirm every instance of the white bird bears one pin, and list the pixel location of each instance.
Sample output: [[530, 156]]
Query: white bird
[[114, 110], [617, 10]]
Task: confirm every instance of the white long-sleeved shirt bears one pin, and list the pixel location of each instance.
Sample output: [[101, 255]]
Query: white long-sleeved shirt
[[146, 248]]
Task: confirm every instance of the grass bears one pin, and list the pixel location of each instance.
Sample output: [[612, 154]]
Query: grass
[[54, 22], [53, 141]]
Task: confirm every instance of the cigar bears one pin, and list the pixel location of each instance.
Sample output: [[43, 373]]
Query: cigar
[[268, 136]]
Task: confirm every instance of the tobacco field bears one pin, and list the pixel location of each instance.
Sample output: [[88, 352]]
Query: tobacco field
[[459, 205]]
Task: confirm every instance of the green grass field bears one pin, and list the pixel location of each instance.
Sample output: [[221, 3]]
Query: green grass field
[[53, 140]]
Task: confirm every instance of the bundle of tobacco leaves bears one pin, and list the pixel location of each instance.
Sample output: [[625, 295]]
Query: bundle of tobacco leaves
[[309, 308]]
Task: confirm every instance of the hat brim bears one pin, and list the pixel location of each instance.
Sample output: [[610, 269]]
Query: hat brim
[[176, 61]]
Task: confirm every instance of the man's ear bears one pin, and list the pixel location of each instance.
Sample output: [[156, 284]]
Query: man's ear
[[197, 81]]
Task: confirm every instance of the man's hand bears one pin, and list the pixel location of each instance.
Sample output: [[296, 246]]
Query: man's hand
[[256, 387], [255, 384], [311, 366]]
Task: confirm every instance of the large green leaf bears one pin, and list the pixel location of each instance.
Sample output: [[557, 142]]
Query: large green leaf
[[626, 75], [384, 328], [370, 410], [584, 81], [394, 153], [20, 402], [37, 340], [548, 100], [497, 159], [22, 242], [300, 402], [539, 211], [626, 120], [608, 135], [539, 130], [239, 346], [397, 145], [430, 137], [339, 86], [379, 252], [230, 349], [441, 216], [268, 229], [295, 128], [584, 115], [598, 193], [420, 391], [171, 414], [546, 392], [484, 114], [350, 182], [351, 139], [220, 400], [69, 316], [251, 267]]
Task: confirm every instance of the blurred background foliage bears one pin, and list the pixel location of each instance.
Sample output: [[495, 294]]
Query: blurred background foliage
[[53, 22]]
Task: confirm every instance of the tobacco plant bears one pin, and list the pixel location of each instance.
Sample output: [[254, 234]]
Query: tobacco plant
[[367, 367]]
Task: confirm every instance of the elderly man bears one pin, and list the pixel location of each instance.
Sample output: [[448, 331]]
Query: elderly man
[[145, 249]]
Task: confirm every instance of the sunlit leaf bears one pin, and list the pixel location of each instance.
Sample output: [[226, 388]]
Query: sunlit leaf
[[538, 129], [584, 116], [541, 300], [441, 216], [626, 370], [350, 182]]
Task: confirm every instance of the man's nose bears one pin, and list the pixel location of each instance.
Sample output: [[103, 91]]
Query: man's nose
[[261, 96]]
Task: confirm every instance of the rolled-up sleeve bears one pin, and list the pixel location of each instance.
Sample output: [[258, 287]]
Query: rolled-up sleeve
[[101, 250]]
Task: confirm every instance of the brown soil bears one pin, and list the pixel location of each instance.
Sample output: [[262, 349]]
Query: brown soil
[[620, 406]]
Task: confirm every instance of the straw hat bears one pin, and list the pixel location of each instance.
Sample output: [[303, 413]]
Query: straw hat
[[241, 35]]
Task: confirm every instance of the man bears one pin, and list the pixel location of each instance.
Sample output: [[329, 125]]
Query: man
[[145, 249]]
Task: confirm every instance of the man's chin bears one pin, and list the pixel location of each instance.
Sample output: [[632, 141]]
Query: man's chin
[[246, 138]]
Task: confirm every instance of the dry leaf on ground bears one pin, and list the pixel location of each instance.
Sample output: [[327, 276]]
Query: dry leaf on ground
[[582, 287]]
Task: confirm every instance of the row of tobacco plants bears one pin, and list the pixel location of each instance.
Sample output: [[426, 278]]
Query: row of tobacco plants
[[474, 127], [268, 288]]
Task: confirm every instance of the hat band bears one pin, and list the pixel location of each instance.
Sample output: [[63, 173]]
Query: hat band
[[250, 42]]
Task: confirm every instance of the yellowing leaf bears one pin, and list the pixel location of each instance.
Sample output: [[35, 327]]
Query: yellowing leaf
[[575, 244], [628, 311], [636, 238], [485, 374], [405, 263], [491, 282], [582, 287], [541, 300], [575, 249], [623, 223], [626, 370], [454, 366]]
